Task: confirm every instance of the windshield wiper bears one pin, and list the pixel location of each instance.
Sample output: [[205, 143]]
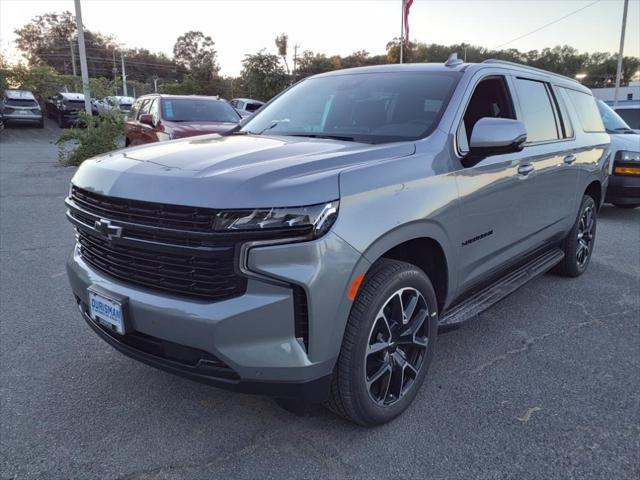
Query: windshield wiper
[[324, 135]]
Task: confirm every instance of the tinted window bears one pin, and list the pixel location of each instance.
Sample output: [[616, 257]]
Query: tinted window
[[252, 107], [134, 109], [198, 110], [144, 107], [18, 102], [567, 127], [369, 107], [587, 111], [631, 116], [537, 110]]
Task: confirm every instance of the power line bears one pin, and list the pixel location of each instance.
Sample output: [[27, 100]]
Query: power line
[[546, 25]]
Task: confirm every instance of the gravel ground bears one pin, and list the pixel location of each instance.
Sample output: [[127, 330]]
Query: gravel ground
[[544, 385]]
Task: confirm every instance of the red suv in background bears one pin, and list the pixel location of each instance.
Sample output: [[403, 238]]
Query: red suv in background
[[156, 117]]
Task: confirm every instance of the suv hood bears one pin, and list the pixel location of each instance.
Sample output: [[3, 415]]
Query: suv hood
[[231, 172]]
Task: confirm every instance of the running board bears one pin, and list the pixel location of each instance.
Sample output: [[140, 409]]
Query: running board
[[492, 294]]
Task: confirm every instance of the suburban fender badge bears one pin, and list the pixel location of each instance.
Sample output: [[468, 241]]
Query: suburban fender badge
[[477, 237]]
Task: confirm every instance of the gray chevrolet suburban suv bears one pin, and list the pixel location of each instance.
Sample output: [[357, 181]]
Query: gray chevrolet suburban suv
[[312, 254]]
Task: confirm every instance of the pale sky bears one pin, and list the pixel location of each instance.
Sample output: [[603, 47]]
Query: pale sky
[[339, 27]]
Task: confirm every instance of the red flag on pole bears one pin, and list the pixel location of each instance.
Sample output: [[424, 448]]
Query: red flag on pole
[[407, 6]]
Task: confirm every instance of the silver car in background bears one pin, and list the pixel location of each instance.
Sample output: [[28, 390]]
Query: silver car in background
[[246, 106], [313, 253], [21, 107], [113, 103]]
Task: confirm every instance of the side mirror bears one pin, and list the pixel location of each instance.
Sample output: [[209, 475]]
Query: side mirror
[[147, 119], [493, 136]]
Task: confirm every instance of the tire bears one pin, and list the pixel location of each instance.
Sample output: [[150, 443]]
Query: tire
[[61, 122], [357, 392], [41, 123], [628, 206], [576, 260]]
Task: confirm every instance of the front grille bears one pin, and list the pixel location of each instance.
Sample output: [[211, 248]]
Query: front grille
[[160, 247], [208, 275], [160, 215]]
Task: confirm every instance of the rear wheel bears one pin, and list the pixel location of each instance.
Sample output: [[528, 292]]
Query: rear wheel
[[579, 243], [388, 344]]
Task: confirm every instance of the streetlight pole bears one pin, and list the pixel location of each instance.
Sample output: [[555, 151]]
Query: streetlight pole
[[124, 76], [619, 69], [83, 59]]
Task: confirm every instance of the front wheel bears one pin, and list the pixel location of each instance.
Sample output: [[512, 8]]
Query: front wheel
[[388, 344], [579, 243]]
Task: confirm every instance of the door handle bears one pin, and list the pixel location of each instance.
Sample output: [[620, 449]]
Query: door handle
[[569, 159], [525, 169]]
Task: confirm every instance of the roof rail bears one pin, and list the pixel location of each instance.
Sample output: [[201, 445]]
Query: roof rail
[[527, 67]]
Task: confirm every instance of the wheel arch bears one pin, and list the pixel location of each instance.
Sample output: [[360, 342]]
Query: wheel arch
[[423, 245], [594, 190]]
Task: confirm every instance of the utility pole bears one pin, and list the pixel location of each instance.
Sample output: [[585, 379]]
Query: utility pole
[[620, 52], [83, 60], [124, 76], [73, 57], [155, 84], [401, 31], [295, 62], [115, 73]]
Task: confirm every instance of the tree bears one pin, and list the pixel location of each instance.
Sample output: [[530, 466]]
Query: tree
[[196, 52], [282, 42], [313, 63], [262, 75]]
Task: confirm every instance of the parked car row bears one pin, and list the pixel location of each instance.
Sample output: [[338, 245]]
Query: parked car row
[[197, 114]]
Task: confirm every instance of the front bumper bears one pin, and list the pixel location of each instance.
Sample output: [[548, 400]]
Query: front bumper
[[251, 336], [623, 190]]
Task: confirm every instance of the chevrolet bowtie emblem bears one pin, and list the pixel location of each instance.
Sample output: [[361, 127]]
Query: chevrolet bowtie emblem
[[104, 227]]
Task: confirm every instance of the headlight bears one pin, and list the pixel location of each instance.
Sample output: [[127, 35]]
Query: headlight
[[314, 220], [627, 156]]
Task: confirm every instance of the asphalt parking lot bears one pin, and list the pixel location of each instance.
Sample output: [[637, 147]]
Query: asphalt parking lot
[[544, 385]]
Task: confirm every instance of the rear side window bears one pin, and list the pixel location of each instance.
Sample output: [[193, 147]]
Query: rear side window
[[538, 114], [567, 128], [587, 110]]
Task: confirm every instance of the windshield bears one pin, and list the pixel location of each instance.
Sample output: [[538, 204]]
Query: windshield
[[369, 107], [612, 121], [198, 110], [631, 116]]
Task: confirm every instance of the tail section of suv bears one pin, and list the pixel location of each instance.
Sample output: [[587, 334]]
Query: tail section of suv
[[313, 254], [20, 106]]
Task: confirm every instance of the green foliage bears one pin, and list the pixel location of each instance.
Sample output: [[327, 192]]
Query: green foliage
[[262, 75], [195, 51], [50, 38], [93, 136]]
